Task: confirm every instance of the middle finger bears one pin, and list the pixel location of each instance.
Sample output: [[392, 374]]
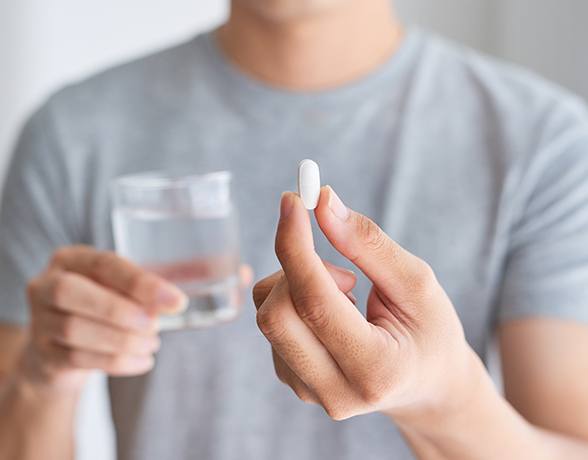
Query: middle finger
[[297, 345]]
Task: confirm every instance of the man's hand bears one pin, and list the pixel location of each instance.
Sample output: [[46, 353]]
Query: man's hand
[[94, 310], [89, 310], [408, 358]]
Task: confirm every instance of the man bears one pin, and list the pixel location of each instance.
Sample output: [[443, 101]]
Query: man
[[476, 170]]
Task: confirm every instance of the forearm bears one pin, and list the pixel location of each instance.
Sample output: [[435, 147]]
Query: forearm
[[36, 422], [487, 427]]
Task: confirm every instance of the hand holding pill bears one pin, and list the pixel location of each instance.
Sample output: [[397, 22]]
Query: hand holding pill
[[407, 358]]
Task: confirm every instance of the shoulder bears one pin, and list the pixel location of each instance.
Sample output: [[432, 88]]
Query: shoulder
[[524, 110], [500, 82], [157, 80]]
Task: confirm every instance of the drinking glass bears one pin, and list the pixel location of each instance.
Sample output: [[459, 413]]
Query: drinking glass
[[183, 228]]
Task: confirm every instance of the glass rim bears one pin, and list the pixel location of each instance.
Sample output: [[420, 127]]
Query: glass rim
[[166, 180]]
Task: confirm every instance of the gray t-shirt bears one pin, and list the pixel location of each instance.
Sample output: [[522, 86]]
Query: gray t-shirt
[[477, 167]]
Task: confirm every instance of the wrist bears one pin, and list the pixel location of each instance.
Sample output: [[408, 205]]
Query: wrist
[[465, 391], [474, 414], [463, 387], [33, 380], [33, 406]]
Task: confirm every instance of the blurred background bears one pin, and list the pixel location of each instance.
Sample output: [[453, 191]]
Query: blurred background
[[46, 44]]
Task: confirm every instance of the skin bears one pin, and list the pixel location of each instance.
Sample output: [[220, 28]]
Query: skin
[[408, 358], [314, 45], [90, 310], [410, 349]]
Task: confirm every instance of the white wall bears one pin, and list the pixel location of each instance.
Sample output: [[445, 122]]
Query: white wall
[[552, 38], [45, 43], [470, 21], [549, 36]]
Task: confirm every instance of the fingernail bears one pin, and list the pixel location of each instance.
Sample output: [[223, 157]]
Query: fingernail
[[286, 204], [172, 299], [143, 363], [336, 205], [351, 297], [343, 270]]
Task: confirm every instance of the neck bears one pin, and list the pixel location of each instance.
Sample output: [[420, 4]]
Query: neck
[[319, 51]]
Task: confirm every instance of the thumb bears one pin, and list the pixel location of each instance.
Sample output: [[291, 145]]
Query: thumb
[[397, 273]]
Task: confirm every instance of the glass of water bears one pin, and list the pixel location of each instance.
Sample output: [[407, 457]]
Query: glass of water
[[184, 228]]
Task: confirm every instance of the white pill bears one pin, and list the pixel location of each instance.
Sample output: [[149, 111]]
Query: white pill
[[309, 183]]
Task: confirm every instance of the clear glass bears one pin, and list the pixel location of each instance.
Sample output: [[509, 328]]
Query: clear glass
[[185, 229]]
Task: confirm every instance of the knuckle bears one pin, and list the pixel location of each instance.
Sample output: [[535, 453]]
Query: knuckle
[[286, 251], [282, 371], [307, 397], [302, 393], [370, 234], [32, 288], [336, 411], [373, 392], [424, 280], [59, 256], [259, 294], [270, 324], [143, 284], [282, 377], [104, 262], [61, 287], [312, 310]]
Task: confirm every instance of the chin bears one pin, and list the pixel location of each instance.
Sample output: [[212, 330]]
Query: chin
[[281, 10]]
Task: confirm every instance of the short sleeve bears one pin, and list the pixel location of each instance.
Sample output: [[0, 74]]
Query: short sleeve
[[35, 214], [546, 272]]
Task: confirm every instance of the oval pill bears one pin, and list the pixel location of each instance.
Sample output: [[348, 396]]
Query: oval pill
[[309, 183]]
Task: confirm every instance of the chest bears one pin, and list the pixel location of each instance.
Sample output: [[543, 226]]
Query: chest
[[440, 205]]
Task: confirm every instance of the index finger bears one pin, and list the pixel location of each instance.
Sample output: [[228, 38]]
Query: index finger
[[322, 306], [121, 275], [345, 280]]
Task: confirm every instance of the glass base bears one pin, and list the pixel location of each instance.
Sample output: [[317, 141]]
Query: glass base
[[209, 304]]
